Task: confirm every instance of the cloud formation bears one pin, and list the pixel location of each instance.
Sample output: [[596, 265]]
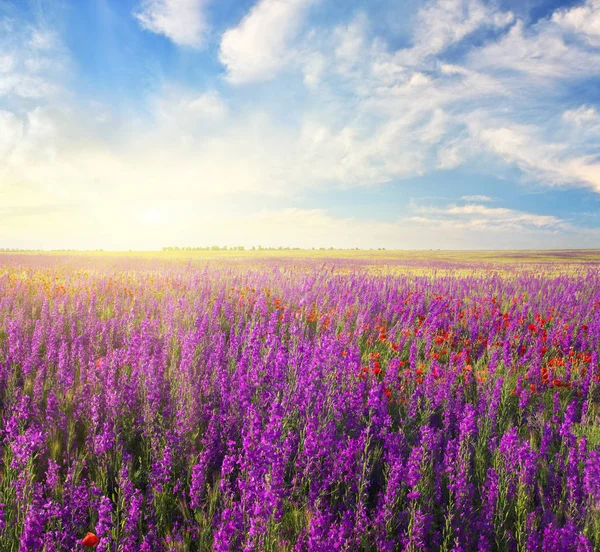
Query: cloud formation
[[182, 21], [260, 45], [303, 105]]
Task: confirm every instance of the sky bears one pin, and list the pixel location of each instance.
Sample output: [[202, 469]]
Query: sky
[[441, 124]]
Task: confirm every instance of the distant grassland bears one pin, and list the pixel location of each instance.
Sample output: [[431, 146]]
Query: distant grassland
[[498, 256]]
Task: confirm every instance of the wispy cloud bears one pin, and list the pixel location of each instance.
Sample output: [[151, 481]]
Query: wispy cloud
[[476, 198], [552, 163], [443, 23], [547, 50], [32, 63], [182, 21], [585, 119], [477, 215]]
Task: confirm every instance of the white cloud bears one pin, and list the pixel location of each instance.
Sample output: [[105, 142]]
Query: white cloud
[[314, 66], [259, 46], [185, 111], [43, 39], [482, 216], [552, 163], [505, 216], [479, 198], [581, 116], [444, 22], [182, 21], [582, 20], [584, 122], [7, 62], [351, 39], [32, 63], [541, 51]]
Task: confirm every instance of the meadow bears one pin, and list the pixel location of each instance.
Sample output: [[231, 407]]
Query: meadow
[[302, 401]]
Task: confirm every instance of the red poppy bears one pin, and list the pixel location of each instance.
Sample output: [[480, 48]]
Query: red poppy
[[90, 540], [532, 387], [377, 370]]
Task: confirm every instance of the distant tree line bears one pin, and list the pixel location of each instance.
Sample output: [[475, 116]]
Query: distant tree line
[[260, 248], [229, 248], [200, 248], [16, 250], [19, 250]]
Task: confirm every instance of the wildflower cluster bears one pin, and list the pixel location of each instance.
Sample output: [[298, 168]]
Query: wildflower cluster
[[266, 405]]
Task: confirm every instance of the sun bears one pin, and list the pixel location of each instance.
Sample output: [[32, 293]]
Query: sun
[[151, 216]]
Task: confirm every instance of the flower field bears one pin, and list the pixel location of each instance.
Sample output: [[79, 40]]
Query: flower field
[[307, 405]]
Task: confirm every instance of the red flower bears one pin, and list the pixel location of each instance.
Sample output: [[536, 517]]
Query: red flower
[[377, 370], [532, 387], [556, 382], [90, 540], [532, 328]]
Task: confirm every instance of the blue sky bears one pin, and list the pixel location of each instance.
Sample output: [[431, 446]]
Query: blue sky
[[439, 124]]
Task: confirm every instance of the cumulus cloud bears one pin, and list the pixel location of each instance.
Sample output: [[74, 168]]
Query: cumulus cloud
[[584, 20], [181, 21], [259, 46]]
